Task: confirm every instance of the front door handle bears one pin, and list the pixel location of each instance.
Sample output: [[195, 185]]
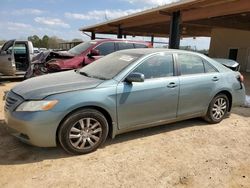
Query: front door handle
[[172, 85], [215, 79]]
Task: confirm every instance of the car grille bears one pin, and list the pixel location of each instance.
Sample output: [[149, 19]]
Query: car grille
[[12, 100], [9, 102]]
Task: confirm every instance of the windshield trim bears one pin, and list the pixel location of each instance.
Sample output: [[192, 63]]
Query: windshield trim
[[116, 72]]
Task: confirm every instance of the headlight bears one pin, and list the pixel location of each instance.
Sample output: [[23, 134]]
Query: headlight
[[31, 106]]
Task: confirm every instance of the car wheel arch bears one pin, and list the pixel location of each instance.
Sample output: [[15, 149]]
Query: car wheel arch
[[229, 96], [100, 109]]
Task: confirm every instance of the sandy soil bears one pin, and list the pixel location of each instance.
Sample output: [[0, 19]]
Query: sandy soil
[[186, 154]]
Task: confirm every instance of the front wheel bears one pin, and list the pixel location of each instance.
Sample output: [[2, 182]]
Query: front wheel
[[217, 109], [83, 131]]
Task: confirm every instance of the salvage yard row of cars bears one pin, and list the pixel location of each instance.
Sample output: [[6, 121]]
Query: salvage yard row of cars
[[123, 91], [17, 57]]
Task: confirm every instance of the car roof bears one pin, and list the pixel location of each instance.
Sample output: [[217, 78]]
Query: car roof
[[119, 40], [146, 51]]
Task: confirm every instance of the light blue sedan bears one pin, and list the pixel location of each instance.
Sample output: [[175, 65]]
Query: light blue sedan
[[124, 91]]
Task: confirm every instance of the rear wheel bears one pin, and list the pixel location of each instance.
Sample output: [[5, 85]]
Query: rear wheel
[[83, 131], [218, 109]]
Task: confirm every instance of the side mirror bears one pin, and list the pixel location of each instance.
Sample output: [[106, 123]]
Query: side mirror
[[135, 77], [93, 52]]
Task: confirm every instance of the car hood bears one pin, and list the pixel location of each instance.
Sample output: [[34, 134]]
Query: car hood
[[72, 63], [63, 53], [40, 87]]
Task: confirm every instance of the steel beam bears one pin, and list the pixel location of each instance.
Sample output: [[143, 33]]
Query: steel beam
[[119, 32], [152, 40], [175, 31], [92, 35]]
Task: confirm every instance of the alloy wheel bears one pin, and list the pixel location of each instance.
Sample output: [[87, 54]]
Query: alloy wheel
[[219, 108], [85, 133]]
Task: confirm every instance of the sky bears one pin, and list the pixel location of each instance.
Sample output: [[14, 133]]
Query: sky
[[63, 18]]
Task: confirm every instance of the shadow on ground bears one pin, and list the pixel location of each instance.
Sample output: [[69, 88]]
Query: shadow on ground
[[4, 81], [242, 111], [12, 151]]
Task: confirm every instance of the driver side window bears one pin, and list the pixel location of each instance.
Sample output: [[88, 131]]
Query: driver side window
[[106, 48], [9, 50], [158, 66]]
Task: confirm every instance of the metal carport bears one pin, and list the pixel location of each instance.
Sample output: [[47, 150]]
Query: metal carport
[[187, 18]]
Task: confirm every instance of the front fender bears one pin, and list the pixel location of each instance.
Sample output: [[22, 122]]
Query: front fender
[[104, 98]]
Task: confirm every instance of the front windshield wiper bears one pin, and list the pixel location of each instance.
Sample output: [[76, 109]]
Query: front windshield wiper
[[99, 77], [84, 74], [92, 76]]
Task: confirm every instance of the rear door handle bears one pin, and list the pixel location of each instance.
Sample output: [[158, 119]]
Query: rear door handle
[[172, 85], [215, 79]]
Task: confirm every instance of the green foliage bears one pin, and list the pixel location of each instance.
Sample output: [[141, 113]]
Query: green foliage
[[45, 41], [35, 40]]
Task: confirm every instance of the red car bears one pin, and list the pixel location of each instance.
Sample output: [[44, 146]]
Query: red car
[[87, 52], [79, 56]]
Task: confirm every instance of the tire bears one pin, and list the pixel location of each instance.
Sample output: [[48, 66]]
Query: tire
[[83, 131], [218, 109]]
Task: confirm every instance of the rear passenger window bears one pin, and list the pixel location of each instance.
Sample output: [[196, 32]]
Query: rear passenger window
[[157, 66], [140, 45], [106, 48], [124, 45], [190, 64], [209, 68]]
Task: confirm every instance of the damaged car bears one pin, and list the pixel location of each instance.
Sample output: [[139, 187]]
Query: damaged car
[[15, 57], [80, 55]]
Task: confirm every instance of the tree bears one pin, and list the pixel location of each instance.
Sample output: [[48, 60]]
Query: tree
[[45, 41], [54, 41], [77, 40], [35, 40]]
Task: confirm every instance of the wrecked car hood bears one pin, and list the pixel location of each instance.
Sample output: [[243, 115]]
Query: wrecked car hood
[[40, 87], [63, 53]]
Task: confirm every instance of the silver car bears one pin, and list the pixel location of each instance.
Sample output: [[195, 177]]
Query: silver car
[[15, 57], [124, 91]]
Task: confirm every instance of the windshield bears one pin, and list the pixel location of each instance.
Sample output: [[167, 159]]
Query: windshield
[[77, 50], [109, 66]]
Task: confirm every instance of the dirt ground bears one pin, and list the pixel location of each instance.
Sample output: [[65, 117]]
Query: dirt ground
[[186, 154]]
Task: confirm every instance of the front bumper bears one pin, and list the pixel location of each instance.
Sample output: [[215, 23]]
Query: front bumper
[[35, 128]]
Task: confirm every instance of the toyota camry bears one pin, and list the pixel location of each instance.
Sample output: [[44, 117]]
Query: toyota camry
[[124, 91]]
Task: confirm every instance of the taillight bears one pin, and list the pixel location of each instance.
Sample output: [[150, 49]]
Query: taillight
[[241, 78]]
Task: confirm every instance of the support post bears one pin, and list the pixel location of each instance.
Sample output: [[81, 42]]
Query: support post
[[92, 35], [175, 31], [152, 40], [119, 32]]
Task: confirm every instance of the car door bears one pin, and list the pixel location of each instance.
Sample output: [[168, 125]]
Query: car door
[[7, 59], [105, 48], [198, 80], [153, 100]]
